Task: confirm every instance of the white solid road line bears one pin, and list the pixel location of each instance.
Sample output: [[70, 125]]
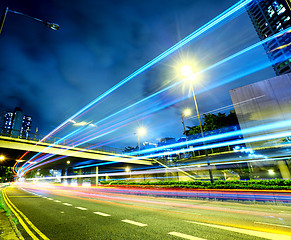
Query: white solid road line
[[266, 235], [102, 214], [57, 201], [82, 208], [278, 225], [134, 223], [67, 204], [182, 235]]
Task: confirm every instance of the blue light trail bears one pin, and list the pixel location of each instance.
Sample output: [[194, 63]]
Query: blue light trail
[[211, 24]]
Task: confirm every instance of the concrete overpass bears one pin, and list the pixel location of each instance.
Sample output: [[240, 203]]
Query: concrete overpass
[[61, 150]]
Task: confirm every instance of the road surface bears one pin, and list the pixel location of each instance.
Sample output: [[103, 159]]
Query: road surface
[[57, 213]]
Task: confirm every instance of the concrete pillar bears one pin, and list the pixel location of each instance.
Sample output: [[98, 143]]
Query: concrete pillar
[[284, 170], [94, 180], [64, 173], [80, 179]]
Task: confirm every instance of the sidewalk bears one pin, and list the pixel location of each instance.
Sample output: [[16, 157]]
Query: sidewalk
[[6, 229]]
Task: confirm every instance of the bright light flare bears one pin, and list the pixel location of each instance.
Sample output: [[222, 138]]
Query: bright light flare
[[80, 124], [141, 131], [2, 158], [186, 71], [271, 172], [187, 112]]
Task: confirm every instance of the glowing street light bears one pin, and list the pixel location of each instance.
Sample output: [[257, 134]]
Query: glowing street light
[[50, 25], [68, 162], [187, 71], [2, 158], [271, 172], [140, 132], [127, 169], [185, 113]]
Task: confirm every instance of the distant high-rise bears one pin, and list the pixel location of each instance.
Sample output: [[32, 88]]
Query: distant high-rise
[[16, 124], [270, 17]]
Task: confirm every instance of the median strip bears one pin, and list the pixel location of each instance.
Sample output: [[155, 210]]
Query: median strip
[[134, 223], [81, 208], [266, 235], [186, 236], [102, 214]]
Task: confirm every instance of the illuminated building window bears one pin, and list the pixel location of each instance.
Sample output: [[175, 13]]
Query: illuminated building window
[[278, 26], [271, 11], [279, 8], [286, 19]]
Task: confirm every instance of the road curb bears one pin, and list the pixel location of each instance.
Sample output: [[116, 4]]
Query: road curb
[[15, 229]]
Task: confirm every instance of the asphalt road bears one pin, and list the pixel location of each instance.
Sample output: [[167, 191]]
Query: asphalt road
[[59, 213]]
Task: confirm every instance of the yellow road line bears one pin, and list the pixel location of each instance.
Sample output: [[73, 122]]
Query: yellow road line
[[27, 220], [272, 236], [19, 218], [23, 196]]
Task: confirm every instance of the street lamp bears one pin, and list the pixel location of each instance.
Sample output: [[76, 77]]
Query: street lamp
[[186, 71], [2, 158], [140, 132], [50, 25], [185, 113], [127, 169]]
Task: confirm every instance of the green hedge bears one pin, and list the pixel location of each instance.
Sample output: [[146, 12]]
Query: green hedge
[[273, 184]]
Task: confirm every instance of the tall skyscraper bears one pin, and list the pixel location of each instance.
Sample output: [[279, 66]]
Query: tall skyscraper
[[16, 124], [270, 17]]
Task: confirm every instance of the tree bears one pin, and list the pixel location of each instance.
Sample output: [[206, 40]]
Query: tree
[[129, 149], [6, 174], [213, 122]]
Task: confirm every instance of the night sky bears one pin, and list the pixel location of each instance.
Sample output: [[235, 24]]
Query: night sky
[[53, 74]]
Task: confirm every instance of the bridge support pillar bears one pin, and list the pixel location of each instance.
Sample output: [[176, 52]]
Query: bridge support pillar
[[94, 180], [284, 170], [80, 179]]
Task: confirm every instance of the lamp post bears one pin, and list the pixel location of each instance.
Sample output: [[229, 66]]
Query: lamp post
[[186, 71], [185, 113], [140, 132], [50, 25], [127, 169]]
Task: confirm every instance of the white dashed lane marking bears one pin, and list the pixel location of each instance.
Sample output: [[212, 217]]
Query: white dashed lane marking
[[67, 204], [185, 236], [49, 199], [102, 214], [81, 208], [57, 201], [134, 223]]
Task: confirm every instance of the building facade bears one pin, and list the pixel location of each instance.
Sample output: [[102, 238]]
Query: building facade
[[16, 124], [270, 17]]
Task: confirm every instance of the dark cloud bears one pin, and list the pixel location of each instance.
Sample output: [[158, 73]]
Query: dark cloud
[[51, 75]]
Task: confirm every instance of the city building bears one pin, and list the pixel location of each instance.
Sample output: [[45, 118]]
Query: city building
[[265, 107], [265, 102], [270, 17], [16, 124]]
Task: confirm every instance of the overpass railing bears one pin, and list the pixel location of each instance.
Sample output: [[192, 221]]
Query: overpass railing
[[55, 140]]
